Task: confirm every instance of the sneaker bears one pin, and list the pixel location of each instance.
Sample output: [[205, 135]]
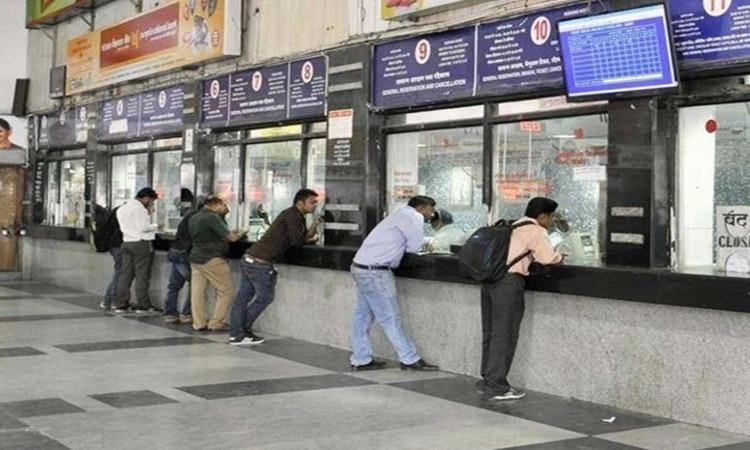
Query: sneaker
[[105, 306], [510, 394], [122, 310], [147, 309], [247, 340], [171, 318], [186, 318]]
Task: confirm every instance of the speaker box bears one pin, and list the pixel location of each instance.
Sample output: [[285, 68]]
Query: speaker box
[[57, 82], [19, 97]]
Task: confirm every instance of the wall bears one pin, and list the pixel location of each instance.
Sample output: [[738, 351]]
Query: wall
[[14, 37], [684, 363]]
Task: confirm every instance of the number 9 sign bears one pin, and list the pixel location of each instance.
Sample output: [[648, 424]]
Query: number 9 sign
[[422, 51], [540, 30]]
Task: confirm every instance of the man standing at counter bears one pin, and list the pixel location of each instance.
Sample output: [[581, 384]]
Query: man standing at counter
[[258, 272], [138, 235], [382, 250], [503, 301]]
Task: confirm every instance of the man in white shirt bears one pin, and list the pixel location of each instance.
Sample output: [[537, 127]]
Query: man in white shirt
[[137, 250]]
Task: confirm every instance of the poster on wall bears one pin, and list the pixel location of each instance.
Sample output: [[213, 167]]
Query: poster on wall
[[168, 37], [13, 140], [733, 238], [38, 11], [708, 34], [402, 9], [424, 69]]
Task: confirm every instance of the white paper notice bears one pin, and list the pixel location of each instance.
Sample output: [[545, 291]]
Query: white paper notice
[[590, 173], [341, 124]]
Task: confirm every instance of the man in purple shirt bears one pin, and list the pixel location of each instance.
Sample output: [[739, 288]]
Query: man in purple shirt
[[382, 250]]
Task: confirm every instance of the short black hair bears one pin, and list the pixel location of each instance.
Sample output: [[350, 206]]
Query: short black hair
[[304, 194], [147, 192], [4, 124], [540, 205], [186, 195], [444, 216], [421, 200]]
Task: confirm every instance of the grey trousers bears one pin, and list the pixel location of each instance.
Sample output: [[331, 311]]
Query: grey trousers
[[136, 263]]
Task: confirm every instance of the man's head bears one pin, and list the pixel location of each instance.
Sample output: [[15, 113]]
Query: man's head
[[542, 209], [442, 218], [424, 205], [147, 196], [5, 132], [217, 204], [306, 200]]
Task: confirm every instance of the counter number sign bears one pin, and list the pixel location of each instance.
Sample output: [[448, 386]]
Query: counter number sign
[[257, 81], [308, 72], [716, 8], [422, 51], [540, 30]]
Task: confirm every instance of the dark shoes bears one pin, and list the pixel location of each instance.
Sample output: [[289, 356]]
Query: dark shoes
[[419, 365], [372, 365]]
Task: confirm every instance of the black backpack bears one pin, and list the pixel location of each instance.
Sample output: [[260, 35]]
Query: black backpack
[[484, 255], [105, 229]]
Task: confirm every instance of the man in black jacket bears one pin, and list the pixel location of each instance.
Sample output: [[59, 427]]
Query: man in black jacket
[[180, 273]]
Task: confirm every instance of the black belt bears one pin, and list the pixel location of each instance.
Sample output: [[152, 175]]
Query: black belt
[[362, 266]]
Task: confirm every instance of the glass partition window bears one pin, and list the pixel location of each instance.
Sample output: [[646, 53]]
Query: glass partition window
[[445, 165], [72, 185], [272, 177], [563, 159], [713, 197], [167, 184], [228, 179], [129, 175], [52, 210]]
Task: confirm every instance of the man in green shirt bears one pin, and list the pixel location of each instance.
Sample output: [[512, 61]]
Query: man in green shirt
[[211, 237]]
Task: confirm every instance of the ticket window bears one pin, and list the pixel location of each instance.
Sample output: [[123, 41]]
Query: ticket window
[[272, 178], [228, 180], [167, 184], [65, 185], [444, 164], [129, 175], [563, 159], [712, 198]]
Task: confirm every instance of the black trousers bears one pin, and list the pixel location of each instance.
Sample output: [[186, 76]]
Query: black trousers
[[502, 311]]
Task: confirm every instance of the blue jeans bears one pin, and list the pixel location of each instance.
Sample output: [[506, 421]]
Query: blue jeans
[[178, 276], [257, 290], [110, 295], [377, 300]]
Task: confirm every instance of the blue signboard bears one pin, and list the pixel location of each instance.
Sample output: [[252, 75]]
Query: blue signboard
[[523, 53], [61, 129], [215, 101], [142, 115], [162, 111], [307, 87], [712, 33], [424, 69], [259, 95], [118, 118]]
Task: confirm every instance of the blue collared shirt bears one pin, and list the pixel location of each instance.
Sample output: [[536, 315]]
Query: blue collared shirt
[[402, 231]]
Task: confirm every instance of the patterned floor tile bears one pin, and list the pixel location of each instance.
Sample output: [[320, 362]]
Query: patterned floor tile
[[676, 436], [275, 386], [19, 351], [133, 399], [138, 343], [40, 407]]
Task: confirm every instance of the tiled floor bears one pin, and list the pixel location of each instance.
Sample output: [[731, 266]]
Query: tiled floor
[[72, 377]]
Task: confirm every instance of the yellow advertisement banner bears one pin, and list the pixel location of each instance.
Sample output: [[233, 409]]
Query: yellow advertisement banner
[[402, 9], [175, 35]]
